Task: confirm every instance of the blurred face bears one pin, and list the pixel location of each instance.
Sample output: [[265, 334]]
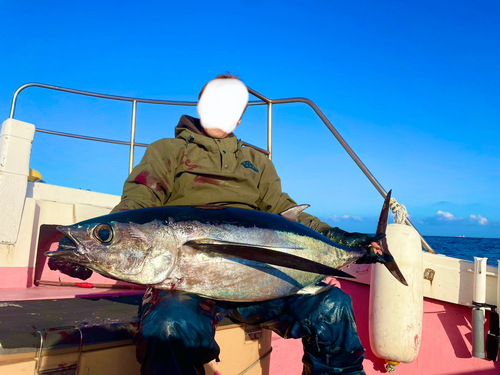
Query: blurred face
[[221, 105], [218, 133]]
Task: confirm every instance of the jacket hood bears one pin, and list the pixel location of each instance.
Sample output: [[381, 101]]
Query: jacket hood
[[193, 124], [190, 123], [189, 128]]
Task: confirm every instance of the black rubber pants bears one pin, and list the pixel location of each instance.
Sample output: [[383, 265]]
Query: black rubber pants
[[176, 333]]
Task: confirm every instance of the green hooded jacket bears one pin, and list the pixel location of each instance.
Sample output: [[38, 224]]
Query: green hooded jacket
[[195, 169]]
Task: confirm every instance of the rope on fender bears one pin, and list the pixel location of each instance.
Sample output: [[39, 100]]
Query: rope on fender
[[390, 367], [399, 211], [401, 217]]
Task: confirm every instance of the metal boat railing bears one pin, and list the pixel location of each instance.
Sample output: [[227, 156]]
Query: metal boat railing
[[264, 101]]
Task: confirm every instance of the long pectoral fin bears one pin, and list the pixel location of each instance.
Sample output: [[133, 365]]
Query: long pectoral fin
[[263, 254]]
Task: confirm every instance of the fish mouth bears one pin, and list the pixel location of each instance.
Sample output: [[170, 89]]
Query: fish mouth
[[69, 248]]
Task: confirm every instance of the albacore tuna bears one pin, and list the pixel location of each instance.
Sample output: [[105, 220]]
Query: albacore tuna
[[217, 252]]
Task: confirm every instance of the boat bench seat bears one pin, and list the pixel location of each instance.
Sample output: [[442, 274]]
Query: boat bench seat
[[108, 321], [101, 320]]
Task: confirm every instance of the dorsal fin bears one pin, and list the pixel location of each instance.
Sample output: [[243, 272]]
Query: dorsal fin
[[293, 213]]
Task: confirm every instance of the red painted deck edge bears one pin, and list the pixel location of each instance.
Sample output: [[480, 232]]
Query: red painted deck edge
[[16, 277], [16, 284]]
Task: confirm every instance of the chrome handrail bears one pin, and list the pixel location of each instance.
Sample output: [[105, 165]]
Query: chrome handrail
[[134, 102], [264, 101]]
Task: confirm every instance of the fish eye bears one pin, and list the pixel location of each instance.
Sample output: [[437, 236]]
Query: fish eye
[[103, 233]]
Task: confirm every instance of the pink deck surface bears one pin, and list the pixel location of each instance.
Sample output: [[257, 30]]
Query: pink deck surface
[[16, 284], [445, 349], [58, 292]]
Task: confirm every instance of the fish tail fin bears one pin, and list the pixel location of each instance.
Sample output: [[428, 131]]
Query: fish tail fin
[[387, 258], [390, 263]]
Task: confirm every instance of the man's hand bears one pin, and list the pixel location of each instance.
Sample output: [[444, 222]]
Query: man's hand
[[376, 247], [71, 269], [374, 252], [353, 239]]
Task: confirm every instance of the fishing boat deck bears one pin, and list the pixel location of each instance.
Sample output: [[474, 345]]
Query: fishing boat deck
[[93, 332], [101, 319]]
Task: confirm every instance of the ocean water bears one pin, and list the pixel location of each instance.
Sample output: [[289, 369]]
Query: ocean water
[[467, 247]]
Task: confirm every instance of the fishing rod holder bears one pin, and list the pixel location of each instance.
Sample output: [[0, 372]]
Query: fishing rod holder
[[481, 348]]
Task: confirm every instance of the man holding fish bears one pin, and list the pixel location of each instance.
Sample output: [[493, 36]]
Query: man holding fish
[[206, 169]]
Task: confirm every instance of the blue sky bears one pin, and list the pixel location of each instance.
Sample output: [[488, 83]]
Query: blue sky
[[411, 86]]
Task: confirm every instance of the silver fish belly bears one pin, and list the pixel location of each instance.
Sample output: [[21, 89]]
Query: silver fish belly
[[226, 278]]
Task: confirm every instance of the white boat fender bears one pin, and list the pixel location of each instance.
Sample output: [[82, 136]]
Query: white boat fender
[[396, 311]]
